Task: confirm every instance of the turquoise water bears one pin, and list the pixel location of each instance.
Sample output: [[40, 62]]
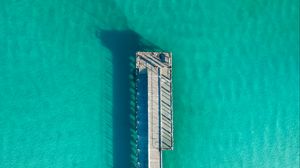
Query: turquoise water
[[65, 79]]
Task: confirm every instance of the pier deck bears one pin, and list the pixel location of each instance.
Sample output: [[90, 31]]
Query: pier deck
[[154, 107]]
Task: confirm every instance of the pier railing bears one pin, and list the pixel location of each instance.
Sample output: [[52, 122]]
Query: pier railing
[[157, 66]]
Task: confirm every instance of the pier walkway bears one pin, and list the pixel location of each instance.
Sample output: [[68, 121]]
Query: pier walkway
[[154, 107]]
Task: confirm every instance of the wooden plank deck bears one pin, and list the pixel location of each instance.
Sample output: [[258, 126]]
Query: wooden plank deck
[[159, 106]]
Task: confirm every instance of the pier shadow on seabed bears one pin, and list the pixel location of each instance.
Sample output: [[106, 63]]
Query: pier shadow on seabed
[[123, 44]]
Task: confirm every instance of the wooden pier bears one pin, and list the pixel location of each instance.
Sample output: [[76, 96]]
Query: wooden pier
[[154, 107]]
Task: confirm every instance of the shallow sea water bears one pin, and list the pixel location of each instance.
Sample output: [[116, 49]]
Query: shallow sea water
[[66, 97]]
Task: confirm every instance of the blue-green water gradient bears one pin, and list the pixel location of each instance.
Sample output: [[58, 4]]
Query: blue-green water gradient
[[235, 81]]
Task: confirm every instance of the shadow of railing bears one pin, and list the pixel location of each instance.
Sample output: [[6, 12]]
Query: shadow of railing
[[123, 44]]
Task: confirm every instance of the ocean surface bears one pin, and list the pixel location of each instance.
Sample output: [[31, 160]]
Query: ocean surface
[[67, 89]]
